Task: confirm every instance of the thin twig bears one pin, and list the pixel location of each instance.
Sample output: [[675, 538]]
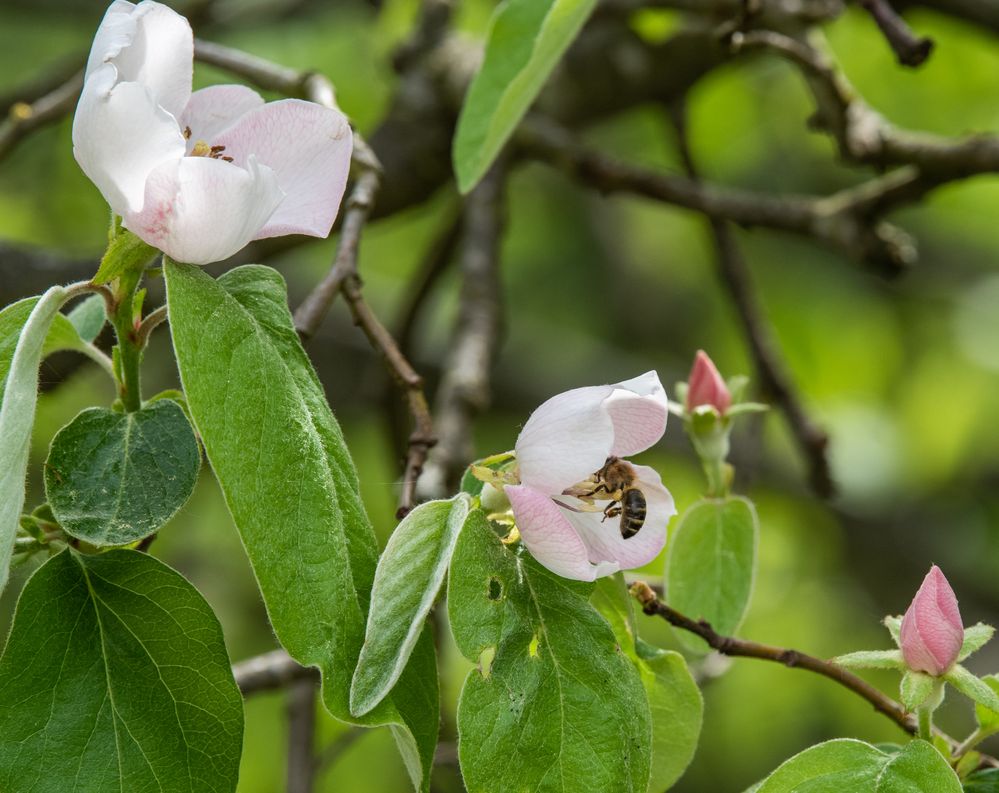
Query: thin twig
[[152, 321], [342, 276], [465, 385], [771, 369], [301, 768], [731, 646], [336, 748], [270, 671], [24, 118], [910, 49], [845, 221]]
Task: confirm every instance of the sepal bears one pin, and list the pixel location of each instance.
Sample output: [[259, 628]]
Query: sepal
[[973, 687], [871, 659]]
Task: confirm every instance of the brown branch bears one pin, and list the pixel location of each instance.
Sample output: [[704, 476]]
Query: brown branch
[[910, 49], [771, 369], [465, 386], [301, 768], [24, 118], [270, 671], [731, 646], [842, 221]]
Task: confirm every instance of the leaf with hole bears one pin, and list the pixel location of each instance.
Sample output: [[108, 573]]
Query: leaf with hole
[[552, 688], [526, 40], [113, 478], [710, 565], [115, 677], [292, 489], [675, 701]]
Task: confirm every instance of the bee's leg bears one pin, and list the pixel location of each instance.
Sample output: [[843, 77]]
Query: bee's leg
[[612, 510]]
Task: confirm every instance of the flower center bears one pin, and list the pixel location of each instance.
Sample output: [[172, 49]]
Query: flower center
[[202, 149]]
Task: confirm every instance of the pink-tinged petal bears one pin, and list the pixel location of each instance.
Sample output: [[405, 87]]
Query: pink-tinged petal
[[550, 538], [120, 135], [603, 538], [308, 146], [149, 44], [566, 439], [213, 110], [638, 408], [932, 632], [706, 386], [199, 210]]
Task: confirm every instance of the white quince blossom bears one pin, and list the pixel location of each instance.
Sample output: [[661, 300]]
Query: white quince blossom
[[199, 175], [564, 442]]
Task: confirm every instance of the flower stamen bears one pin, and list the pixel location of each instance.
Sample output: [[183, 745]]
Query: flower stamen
[[202, 149]]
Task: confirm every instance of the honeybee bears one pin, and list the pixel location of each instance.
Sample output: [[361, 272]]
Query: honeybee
[[614, 481]]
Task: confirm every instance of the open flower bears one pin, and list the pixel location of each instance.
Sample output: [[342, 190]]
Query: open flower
[[932, 632], [576, 505], [200, 175]]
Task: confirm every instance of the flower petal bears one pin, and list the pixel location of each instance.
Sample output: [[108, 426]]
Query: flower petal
[[149, 44], [638, 408], [550, 538], [213, 110], [603, 538], [566, 439], [200, 210], [120, 136], [308, 146]]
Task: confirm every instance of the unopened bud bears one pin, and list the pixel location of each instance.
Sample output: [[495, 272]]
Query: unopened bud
[[932, 632], [706, 386]]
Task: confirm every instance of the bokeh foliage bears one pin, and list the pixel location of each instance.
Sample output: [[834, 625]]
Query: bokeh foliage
[[903, 374]]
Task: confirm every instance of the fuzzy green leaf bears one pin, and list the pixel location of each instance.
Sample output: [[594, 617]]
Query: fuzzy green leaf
[[22, 345], [988, 720], [113, 478], [894, 626], [918, 768], [711, 563], [985, 781], [973, 687], [871, 659], [410, 573], [292, 489], [554, 704], [125, 253], [675, 701], [116, 677], [88, 317], [975, 638], [526, 39], [915, 689]]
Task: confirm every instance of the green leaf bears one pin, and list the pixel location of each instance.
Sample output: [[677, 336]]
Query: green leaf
[[88, 317], [410, 573], [871, 659], [675, 701], [988, 720], [985, 781], [115, 677], [915, 689], [973, 687], [125, 253], [849, 765], [711, 563], [975, 638], [291, 487], [836, 766], [19, 362], [554, 704], [113, 478], [894, 626], [526, 39], [918, 768]]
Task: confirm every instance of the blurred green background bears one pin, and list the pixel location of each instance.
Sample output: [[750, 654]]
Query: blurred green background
[[903, 374]]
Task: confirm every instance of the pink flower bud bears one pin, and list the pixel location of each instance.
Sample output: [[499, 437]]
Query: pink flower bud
[[706, 386], [932, 632]]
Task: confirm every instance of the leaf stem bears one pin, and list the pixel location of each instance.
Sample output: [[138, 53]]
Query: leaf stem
[[129, 345]]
